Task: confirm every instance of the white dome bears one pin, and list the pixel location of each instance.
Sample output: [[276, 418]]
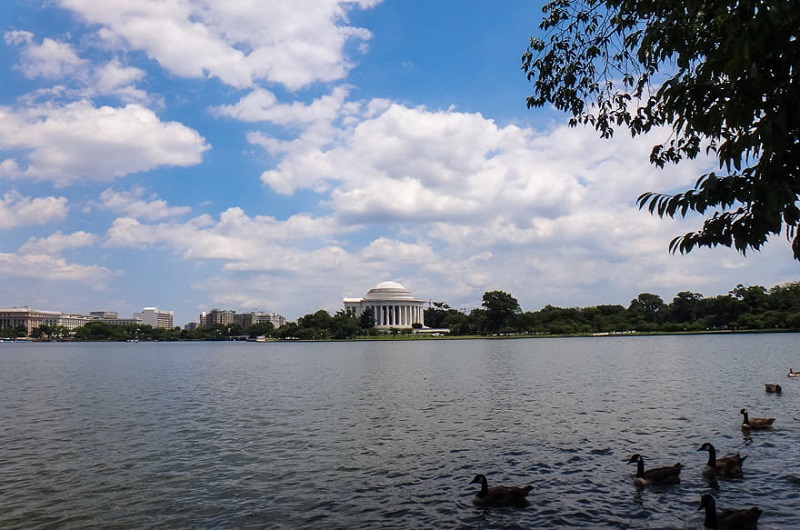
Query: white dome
[[388, 291]]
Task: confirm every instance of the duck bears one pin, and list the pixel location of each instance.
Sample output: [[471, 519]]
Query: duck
[[726, 466], [499, 495], [729, 519], [773, 388], [755, 423], [659, 476], [792, 373]]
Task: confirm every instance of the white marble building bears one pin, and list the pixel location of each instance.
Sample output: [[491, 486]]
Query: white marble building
[[392, 305]]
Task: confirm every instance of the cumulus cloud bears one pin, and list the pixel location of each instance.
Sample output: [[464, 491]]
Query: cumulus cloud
[[243, 242], [240, 42], [57, 242], [263, 105], [395, 163], [58, 61], [116, 79], [78, 141], [49, 268], [18, 210], [49, 59], [135, 203]]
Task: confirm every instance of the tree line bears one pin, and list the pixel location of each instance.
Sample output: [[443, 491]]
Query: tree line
[[103, 331], [743, 308]]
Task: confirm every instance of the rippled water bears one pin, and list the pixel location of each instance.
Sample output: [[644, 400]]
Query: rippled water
[[389, 434]]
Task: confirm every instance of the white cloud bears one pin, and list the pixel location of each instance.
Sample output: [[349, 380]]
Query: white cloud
[[402, 164], [116, 79], [263, 105], [57, 242], [59, 61], [241, 241], [238, 42], [51, 59], [133, 203], [48, 268], [17, 210], [78, 141]]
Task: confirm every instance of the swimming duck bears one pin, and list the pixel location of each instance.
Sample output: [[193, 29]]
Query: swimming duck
[[499, 495], [659, 476], [792, 373], [755, 423], [726, 466], [773, 389], [730, 519]]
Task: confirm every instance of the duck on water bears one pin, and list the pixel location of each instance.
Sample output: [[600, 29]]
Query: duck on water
[[726, 466], [659, 476], [729, 519], [755, 423], [496, 496]]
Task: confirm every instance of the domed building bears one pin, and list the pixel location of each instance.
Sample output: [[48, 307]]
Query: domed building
[[392, 305]]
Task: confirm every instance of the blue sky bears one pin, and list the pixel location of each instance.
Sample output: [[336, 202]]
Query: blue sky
[[279, 156]]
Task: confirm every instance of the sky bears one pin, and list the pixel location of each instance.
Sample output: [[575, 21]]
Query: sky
[[280, 156]]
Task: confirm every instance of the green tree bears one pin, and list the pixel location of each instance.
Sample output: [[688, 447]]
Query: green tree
[[646, 311], [366, 320], [752, 299], [785, 296], [436, 314], [718, 312], [96, 331], [500, 310], [264, 329], [344, 326], [723, 75], [13, 332], [42, 332], [458, 323], [685, 307], [288, 331]]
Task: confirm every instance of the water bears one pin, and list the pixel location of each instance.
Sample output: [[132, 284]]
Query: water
[[388, 434]]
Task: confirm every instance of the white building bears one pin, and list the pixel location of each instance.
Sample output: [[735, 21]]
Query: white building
[[72, 322], [154, 317], [27, 318], [391, 304], [249, 319]]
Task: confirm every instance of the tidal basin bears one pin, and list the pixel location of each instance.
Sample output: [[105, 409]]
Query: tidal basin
[[388, 434]]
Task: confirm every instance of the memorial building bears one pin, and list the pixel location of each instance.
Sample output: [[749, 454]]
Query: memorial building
[[391, 304]]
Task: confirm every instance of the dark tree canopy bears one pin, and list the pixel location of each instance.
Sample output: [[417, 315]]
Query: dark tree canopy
[[500, 308], [721, 74]]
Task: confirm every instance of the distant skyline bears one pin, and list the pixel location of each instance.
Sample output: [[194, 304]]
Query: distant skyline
[[280, 156]]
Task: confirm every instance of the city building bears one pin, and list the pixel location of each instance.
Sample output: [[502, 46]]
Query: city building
[[104, 315], [154, 317], [72, 322], [121, 321], [392, 305], [250, 319], [27, 318], [222, 317]]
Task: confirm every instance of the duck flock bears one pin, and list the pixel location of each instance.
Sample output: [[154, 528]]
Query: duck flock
[[728, 466]]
